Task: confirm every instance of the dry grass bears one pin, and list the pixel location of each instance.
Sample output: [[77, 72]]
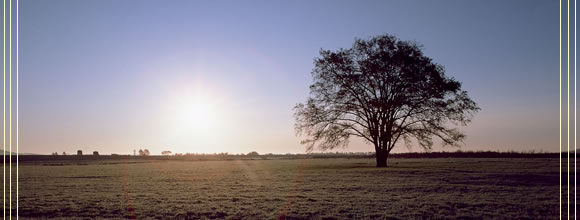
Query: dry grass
[[296, 189]]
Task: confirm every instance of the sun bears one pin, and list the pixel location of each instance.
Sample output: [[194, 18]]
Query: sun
[[196, 115]]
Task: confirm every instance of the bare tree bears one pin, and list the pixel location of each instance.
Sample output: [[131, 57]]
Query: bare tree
[[382, 90]]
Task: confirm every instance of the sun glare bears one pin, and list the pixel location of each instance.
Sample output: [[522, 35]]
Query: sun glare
[[195, 117], [196, 114]]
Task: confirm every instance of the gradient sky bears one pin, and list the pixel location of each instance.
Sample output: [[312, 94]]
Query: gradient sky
[[113, 75]]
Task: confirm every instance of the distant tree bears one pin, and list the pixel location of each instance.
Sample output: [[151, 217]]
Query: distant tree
[[141, 152], [382, 90], [166, 153], [63, 153], [145, 152], [253, 154]]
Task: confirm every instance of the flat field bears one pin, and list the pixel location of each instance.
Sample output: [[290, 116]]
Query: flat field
[[438, 188]]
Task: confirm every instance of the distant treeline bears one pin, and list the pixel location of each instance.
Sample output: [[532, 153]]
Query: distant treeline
[[256, 156], [456, 154], [476, 154]]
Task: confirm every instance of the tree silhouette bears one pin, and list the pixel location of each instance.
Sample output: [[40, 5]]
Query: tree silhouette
[[382, 90], [253, 154], [166, 152]]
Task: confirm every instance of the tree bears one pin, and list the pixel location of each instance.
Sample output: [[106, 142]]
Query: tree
[[166, 153], [383, 90], [253, 154]]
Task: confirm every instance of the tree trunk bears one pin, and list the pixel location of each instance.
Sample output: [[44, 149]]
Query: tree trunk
[[381, 158]]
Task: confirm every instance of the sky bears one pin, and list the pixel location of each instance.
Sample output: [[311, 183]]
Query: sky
[[223, 76]]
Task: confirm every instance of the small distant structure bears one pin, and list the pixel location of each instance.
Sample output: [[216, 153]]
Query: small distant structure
[[95, 153], [54, 153], [79, 152], [166, 153], [63, 153], [253, 154]]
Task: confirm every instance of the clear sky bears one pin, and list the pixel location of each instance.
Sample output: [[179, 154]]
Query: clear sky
[[114, 76]]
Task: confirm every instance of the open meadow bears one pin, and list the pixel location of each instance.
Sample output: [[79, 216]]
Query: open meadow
[[416, 188], [294, 189]]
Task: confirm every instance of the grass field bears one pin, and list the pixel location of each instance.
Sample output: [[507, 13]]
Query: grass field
[[468, 188]]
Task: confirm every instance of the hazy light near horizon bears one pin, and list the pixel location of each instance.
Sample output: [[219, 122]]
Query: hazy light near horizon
[[195, 117]]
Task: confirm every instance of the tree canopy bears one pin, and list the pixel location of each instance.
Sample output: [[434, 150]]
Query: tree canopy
[[383, 90]]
